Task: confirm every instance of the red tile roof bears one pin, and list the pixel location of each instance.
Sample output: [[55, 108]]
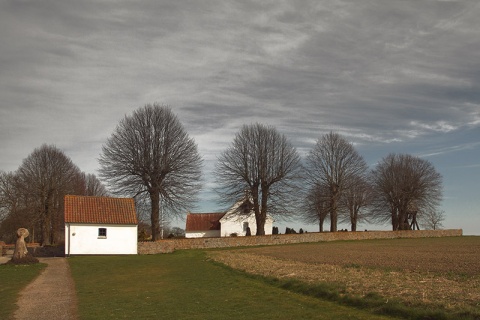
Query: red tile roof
[[203, 221], [81, 209]]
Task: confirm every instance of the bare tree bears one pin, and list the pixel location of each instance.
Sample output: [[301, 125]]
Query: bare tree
[[92, 186], [151, 155], [404, 186], [333, 163], [433, 219], [44, 177], [12, 213], [356, 200], [262, 162], [9, 196], [316, 206]]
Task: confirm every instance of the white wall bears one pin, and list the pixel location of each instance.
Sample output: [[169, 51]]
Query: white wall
[[84, 239], [235, 225], [203, 234]]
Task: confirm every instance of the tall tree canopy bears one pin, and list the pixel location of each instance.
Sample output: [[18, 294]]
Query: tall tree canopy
[[262, 162], [332, 166], [150, 154], [405, 186], [43, 179]]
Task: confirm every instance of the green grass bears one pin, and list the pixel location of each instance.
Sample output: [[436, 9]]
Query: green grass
[[13, 278], [184, 285]]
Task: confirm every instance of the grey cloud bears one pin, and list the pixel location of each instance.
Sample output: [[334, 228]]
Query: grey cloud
[[389, 75]]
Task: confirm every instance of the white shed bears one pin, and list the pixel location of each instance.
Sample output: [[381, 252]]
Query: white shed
[[100, 225]]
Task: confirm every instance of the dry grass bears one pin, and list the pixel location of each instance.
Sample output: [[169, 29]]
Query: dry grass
[[441, 272]]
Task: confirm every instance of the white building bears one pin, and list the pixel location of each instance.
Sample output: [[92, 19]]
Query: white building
[[235, 222], [100, 225]]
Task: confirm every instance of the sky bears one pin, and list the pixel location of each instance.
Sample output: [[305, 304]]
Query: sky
[[390, 76]]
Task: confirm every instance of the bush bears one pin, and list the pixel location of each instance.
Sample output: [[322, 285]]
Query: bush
[[290, 231]]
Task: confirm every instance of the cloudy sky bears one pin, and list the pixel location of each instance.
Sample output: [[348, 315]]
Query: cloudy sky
[[391, 76]]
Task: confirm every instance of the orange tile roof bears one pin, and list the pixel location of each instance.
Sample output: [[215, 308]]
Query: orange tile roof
[[81, 209], [203, 221]]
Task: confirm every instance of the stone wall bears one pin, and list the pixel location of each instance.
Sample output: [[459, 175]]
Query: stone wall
[[35, 249], [170, 245], [48, 251]]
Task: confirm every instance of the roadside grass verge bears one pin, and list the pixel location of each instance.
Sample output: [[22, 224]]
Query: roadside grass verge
[[13, 278], [187, 285]]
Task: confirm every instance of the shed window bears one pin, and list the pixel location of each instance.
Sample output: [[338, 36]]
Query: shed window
[[102, 233], [245, 226]]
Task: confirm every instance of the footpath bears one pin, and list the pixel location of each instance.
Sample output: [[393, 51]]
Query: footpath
[[51, 295]]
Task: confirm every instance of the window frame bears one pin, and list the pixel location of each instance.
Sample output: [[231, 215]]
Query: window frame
[[102, 233]]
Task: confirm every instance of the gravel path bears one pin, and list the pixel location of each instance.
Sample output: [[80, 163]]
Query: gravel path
[[51, 295]]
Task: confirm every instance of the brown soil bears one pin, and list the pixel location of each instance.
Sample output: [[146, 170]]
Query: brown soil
[[443, 272]]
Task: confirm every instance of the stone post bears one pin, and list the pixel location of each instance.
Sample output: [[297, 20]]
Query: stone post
[[21, 255]]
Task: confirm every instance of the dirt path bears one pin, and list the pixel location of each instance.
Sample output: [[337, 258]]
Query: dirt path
[[51, 295]]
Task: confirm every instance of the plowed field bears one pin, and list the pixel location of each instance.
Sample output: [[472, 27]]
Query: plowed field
[[443, 272]]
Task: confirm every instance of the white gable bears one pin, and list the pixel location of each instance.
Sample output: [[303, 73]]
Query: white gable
[[240, 217], [232, 223]]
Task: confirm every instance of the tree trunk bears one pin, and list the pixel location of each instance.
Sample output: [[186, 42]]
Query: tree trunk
[[333, 222], [263, 212], [353, 219], [403, 221], [47, 220], [46, 235], [155, 214], [394, 220], [333, 215], [354, 226], [333, 209], [260, 225]]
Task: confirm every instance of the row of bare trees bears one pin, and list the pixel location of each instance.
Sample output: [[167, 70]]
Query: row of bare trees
[[400, 189], [151, 157], [32, 196], [334, 183]]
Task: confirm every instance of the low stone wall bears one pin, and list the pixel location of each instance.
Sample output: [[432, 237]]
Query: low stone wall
[[170, 245], [48, 251], [35, 249], [8, 249]]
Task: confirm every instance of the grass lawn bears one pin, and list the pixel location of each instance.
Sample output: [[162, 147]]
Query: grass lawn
[[184, 285], [13, 278]]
